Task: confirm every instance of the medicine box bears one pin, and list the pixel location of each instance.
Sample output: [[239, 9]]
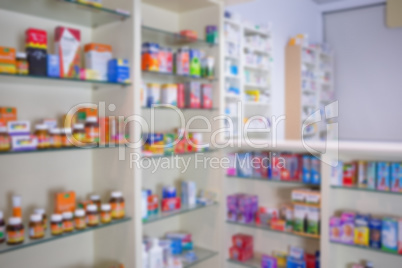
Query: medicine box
[[375, 233], [268, 262], [371, 174], [396, 177], [313, 221], [18, 128], [335, 229], [153, 94], [306, 175], [383, 176], [349, 174], [362, 230], [36, 38], [193, 95], [53, 65], [231, 170], [206, 96], [348, 227], [97, 57], [169, 94], [399, 236], [243, 163], [37, 61], [189, 193], [68, 46], [150, 59], [118, 71], [315, 170], [337, 173], [64, 202], [389, 235], [24, 143], [7, 60], [8, 114]]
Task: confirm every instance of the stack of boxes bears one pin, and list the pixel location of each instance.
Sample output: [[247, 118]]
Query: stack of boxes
[[242, 208], [242, 248]]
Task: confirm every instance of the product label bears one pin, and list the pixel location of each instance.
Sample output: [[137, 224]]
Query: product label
[[93, 219], [36, 232], [68, 226], [14, 237], [80, 223], [117, 210], [43, 141], [56, 228], [92, 134], [106, 217], [5, 142]]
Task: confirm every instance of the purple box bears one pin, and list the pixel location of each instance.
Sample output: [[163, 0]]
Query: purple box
[[246, 209], [268, 262], [335, 229], [232, 207], [231, 171], [348, 227]]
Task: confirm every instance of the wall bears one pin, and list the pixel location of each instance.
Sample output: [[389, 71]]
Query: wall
[[367, 73], [288, 18]]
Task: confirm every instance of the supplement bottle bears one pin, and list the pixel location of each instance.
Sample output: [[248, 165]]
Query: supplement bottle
[[68, 225], [55, 138], [15, 231], [36, 230], [5, 140], [92, 130], [117, 204], [96, 201], [78, 133], [56, 224], [79, 220], [92, 215], [42, 133], [42, 212], [106, 215]]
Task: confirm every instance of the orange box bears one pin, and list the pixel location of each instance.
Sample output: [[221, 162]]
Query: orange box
[[97, 47], [64, 202], [8, 114], [91, 112], [7, 60]]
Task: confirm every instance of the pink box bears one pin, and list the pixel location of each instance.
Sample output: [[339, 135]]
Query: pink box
[[193, 95], [206, 96]]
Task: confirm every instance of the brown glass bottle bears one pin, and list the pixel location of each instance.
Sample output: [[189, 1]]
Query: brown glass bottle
[[15, 231], [92, 215], [36, 229], [117, 204]]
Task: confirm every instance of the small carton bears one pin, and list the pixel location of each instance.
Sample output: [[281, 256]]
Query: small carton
[[231, 170], [362, 181], [36, 38], [399, 236], [335, 229], [242, 241], [315, 170], [67, 47], [396, 177], [371, 174], [24, 143], [169, 94], [154, 143], [389, 235], [193, 95], [276, 167], [153, 94], [337, 173], [348, 226], [206, 96], [64, 202], [349, 174], [118, 71], [313, 220], [268, 262], [375, 233], [53, 65], [37, 61], [7, 60], [362, 230], [300, 218], [383, 176], [8, 114], [306, 169], [260, 163], [189, 193], [296, 252], [169, 139], [244, 167], [16, 128], [97, 57], [170, 204]]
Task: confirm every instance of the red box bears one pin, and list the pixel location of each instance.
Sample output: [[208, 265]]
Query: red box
[[36, 38], [181, 96], [206, 96], [169, 204], [242, 241], [241, 255]]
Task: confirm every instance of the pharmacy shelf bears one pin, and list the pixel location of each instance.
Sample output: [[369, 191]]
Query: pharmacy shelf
[[68, 11], [256, 68], [63, 149], [253, 263], [258, 227], [177, 76], [55, 81], [178, 155], [251, 85], [164, 108], [365, 190], [171, 38], [366, 248], [295, 183], [202, 255], [4, 248], [183, 210]]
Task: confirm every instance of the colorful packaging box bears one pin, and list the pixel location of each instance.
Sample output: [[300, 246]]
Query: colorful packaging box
[[153, 94], [181, 96], [232, 207], [169, 139], [362, 230], [349, 174], [348, 227], [24, 143], [383, 176], [118, 71], [396, 177], [242, 241], [182, 61], [169, 94], [37, 61], [152, 204], [165, 59], [36, 38], [375, 233], [313, 220], [68, 46], [195, 63], [247, 208], [389, 235], [211, 33], [189, 193], [231, 170], [97, 57], [315, 170], [244, 167], [300, 218], [16, 128], [268, 262], [337, 173], [154, 143], [8, 114], [371, 174], [193, 95], [206, 96], [53, 65], [276, 167], [362, 181], [8, 60], [306, 169], [150, 59], [171, 204], [64, 202], [278, 225], [295, 263], [335, 229], [260, 162]]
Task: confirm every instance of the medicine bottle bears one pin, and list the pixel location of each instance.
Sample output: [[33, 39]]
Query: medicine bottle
[[92, 215], [79, 132], [15, 231], [79, 219], [42, 133], [117, 204], [68, 224], [42, 212], [95, 199], [56, 224], [55, 138], [2, 228], [106, 215], [5, 140], [22, 63], [65, 132], [92, 130], [36, 230]]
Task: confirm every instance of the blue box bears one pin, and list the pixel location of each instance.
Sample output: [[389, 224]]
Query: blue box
[[315, 170], [375, 233], [244, 166], [118, 71], [306, 169], [295, 263], [53, 65], [383, 176], [396, 177]]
